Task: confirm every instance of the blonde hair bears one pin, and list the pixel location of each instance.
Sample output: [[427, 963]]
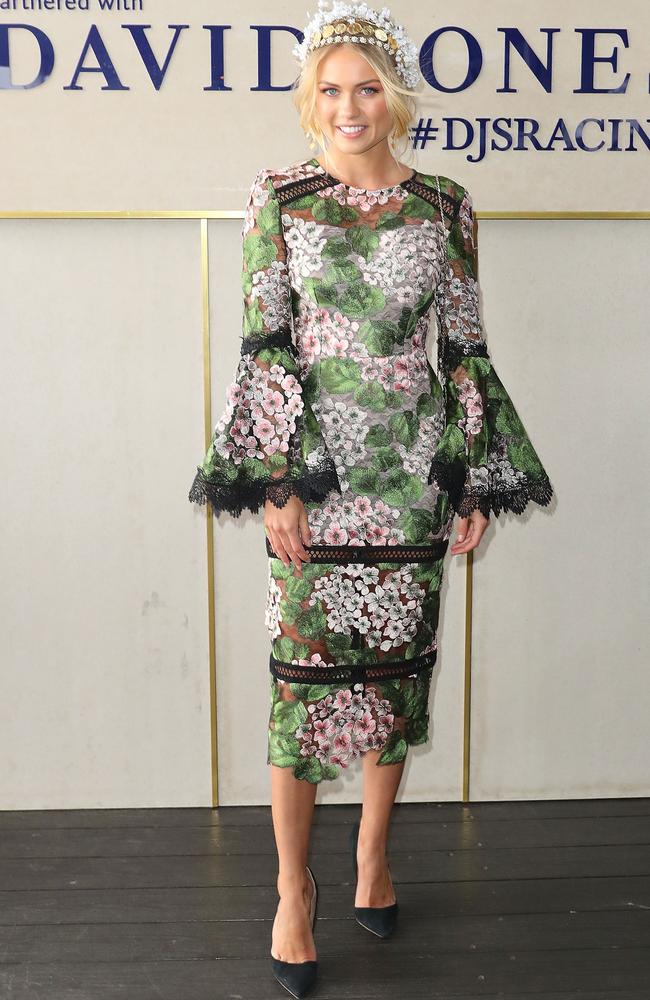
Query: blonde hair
[[400, 100]]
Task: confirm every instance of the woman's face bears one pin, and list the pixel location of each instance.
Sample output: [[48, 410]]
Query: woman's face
[[349, 93]]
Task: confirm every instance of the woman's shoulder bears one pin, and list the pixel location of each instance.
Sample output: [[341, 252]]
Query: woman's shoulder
[[278, 176], [448, 185], [286, 174]]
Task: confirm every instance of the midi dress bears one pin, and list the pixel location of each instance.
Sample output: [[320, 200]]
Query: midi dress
[[334, 401]]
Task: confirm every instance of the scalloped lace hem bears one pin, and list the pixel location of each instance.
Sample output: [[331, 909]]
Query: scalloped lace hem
[[494, 501], [251, 495]]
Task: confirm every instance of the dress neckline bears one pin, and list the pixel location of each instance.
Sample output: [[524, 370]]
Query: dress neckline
[[351, 187]]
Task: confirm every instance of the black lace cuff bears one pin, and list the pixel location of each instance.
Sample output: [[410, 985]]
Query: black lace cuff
[[280, 492], [450, 477], [312, 485], [515, 500]]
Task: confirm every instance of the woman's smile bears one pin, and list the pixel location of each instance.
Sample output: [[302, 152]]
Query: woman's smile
[[351, 131]]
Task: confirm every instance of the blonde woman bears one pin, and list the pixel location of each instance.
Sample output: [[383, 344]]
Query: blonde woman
[[360, 453]]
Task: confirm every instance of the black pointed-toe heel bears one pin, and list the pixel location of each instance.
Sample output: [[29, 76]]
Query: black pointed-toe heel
[[380, 920], [298, 977]]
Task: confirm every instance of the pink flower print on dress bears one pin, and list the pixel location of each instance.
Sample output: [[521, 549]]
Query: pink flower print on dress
[[309, 344], [472, 403], [345, 726], [264, 431], [315, 660], [377, 534], [335, 535]]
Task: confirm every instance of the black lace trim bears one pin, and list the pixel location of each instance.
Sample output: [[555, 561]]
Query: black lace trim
[[451, 353], [448, 476], [369, 554], [280, 492], [303, 186], [450, 205], [250, 494], [300, 188], [351, 673], [282, 338]]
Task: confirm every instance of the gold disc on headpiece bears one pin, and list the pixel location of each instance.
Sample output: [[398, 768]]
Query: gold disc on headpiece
[[392, 41], [381, 34], [315, 38], [340, 28], [327, 30]]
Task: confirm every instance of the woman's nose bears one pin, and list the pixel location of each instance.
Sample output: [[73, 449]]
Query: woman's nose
[[349, 107]]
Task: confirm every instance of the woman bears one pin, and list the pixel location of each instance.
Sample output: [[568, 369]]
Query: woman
[[361, 456]]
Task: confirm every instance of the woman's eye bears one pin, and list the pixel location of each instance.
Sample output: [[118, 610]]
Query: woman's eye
[[373, 90]]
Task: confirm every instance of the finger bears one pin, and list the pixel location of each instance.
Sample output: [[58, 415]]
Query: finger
[[295, 549], [461, 529], [296, 544], [305, 533], [475, 532], [278, 547], [469, 540]]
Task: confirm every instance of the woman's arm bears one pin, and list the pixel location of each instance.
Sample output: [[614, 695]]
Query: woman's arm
[[267, 428], [484, 459]]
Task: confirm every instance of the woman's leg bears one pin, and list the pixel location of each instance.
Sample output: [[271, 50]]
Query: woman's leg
[[380, 784], [292, 809]]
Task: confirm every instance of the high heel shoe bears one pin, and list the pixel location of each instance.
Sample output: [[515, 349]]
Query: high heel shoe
[[380, 920], [298, 977]]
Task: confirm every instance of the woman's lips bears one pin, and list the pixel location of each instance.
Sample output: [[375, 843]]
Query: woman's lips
[[351, 135]]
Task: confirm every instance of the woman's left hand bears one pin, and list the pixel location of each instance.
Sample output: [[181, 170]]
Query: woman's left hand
[[469, 532]]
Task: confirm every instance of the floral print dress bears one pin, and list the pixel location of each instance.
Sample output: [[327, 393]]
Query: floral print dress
[[334, 400]]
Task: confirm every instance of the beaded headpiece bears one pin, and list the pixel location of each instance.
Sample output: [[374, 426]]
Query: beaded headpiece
[[357, 22]]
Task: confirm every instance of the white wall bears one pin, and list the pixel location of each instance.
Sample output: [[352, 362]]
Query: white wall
[[561, 689], [105, 680]]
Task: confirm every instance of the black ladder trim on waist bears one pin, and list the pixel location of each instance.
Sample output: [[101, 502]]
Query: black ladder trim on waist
[[371, 553], [297, 673]]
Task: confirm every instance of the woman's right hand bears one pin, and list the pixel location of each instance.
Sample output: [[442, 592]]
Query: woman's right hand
[[288, 532]]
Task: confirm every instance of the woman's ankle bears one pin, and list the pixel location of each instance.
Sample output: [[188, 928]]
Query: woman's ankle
[[372, 837], [293, 883]]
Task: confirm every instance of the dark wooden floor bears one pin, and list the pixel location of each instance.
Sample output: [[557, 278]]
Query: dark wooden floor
[[534, 900]]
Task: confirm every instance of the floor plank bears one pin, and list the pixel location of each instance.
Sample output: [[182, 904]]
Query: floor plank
[[543, 900]]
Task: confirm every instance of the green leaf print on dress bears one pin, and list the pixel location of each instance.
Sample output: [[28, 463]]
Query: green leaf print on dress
[[336, 399]]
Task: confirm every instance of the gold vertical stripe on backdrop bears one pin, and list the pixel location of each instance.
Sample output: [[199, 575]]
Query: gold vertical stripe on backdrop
[[203, 217], [467, 680], [469, 578], [207, 400]]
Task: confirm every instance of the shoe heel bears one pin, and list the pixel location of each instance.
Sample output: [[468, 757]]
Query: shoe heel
[[299, 977], [314, 899], [379, 920]]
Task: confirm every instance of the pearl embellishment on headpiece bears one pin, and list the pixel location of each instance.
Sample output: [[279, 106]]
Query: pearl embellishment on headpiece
[[347, 22]]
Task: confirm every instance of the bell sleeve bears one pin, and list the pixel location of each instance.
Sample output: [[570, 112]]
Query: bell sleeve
[[267, 443], [484, 458]]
